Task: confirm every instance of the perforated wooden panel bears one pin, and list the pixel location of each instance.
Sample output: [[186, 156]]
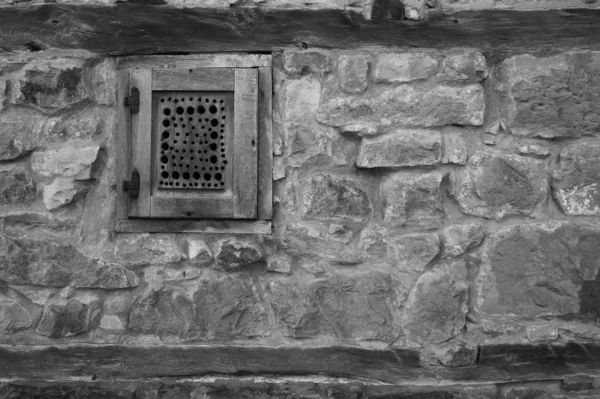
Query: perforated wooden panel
[[193, 132]]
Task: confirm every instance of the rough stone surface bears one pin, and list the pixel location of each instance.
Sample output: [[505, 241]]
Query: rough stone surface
[[25, 261], [68, 318], [412, 199], [301, 100], [146, 249], [351, 307], [576, 179], [67, 161], [53, 88], [232, 254], [20, 133], [337, 198], [455, 148], [553, 97], [496, 185], [403, 67], [307, 62], [534, 150], [199, 252], [458, 239], [407, 105], [17, 187], [279, 264], [400, 148], [464, 68], [437, 305], [14, 315], [541, 333], [538, 269], [62, 192], [353, 70], [89, 123]]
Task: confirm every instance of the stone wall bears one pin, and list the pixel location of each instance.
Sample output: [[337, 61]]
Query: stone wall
[[428, 200]]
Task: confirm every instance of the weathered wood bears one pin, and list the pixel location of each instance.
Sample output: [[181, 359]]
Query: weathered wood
[[265, 143], [205, 79], [245, 143], [192, 207], [193, 226], [127, 29], [122, 143], [194, 61], [498, 363], [141, 140]]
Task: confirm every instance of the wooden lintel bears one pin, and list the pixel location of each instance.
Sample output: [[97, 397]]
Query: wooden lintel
[[497, 363], [157, 29]]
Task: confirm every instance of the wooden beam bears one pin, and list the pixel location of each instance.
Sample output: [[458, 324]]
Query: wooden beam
[[154, 29], [497, 363]]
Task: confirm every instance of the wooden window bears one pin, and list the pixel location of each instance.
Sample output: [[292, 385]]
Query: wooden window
[[194, 143]]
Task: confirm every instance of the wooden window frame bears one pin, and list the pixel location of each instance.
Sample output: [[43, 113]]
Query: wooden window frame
[[127, 68]]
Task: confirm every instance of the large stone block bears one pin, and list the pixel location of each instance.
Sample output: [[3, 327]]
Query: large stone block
[[149, 249], [436, 307], [100, 77], [464, 68], [69, 317], [14, 312], [20, 133], [553, 97], [496, 185], [67, 161], [353, 70], [233, 254], [403, 67], [335, 198], [407, 105], [300, 100], [401, 147], [62, 192], [458, 239], [412, 199], [25, 261], [52, 88], [346, 307], [90, 123], [537, 269], [576, 179], [307, 62], [17, 187]]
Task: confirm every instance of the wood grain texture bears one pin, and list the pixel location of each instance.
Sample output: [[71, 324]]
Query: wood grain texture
[[265, 143], [498, 363], [193, 226], [205, 79], [245, 143], [192, 208], [141, 142], [195, 61], [122, 143], [127, 29]]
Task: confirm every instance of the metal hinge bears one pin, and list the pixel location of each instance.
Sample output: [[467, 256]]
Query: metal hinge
[[133, 100], [133, 186]]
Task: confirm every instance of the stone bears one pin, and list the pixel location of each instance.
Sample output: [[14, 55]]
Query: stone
[[540, 268], [403, 67], [495, 185], [199, 252], [68, 390], [306, 62], [69, 317], [407, 105], [414, 9], [552, 97], [42, 225], [233, 254], [301, 100], [412, 199], [464, 68], [335, 198], [347, 307], [541, 333], [52, 88], [436, 307], [62, 192], [455, 148], [575, 179], [230, 308], [89, 123], [460, 238], [111, 322], [148, 249], [20, 133], [67, 161], [13, 315], [539, 151], [279, 263], [412, 252], [579, 382], [360, 129], [455, 355], [101, 79], [401, 148], [352, 70], [17, 187], [26, 261], [313, 144], [279, 168]]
